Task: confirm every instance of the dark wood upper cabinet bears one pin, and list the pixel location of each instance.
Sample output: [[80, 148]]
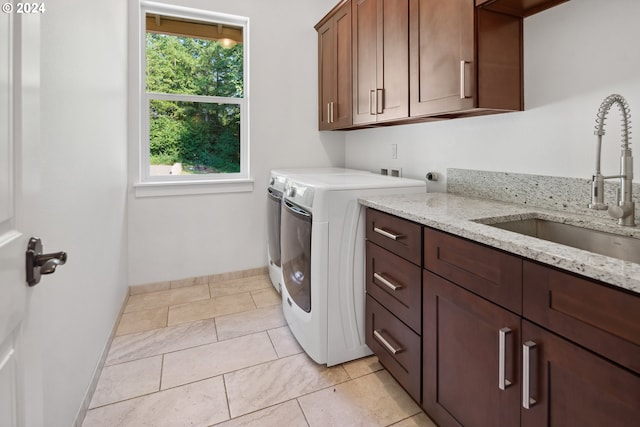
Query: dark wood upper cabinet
[[407, 61], [380, 33], [334, 69], [521, 8], [463, 60]]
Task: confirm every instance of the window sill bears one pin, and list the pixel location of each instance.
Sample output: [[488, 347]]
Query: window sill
[[185, 188]]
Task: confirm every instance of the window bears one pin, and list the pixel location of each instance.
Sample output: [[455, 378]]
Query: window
[[194, 96]]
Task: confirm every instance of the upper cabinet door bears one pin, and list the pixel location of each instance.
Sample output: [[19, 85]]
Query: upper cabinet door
[[443, 63], [380, 31], [326, 74], [463, 60], [334, 70]]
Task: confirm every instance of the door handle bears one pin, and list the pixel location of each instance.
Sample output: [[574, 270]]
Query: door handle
[[379, 101], [372, 102], [464, 83], [503, 382], [38, 263], [528, 353]]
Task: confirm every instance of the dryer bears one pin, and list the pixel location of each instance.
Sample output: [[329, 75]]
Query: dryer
[[323, 260], [274, 193]]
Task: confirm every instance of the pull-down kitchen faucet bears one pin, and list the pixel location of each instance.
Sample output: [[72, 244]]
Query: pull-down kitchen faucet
[[624, 209]]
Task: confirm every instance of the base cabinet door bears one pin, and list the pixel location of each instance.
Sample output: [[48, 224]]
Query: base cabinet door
[[471, 355], [570, 386]]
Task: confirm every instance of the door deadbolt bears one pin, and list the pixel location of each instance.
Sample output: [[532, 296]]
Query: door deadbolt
[[38, 263]]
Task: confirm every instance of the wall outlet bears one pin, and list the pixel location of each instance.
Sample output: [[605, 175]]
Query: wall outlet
[[394, 151], [393, 172]]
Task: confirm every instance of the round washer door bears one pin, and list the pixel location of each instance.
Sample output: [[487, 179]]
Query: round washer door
[[296, 253]]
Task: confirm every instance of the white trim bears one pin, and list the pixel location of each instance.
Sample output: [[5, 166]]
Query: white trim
[[148, 185], [192, 13], [7, 192], [180, 188]]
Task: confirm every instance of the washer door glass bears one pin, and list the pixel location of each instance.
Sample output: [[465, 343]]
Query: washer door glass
[[296, 253], [273, 218]]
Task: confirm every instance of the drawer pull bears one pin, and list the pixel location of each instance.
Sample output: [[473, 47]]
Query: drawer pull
[[503, 382], [527, 349], [385, 233], [378, 336], [386, 282]]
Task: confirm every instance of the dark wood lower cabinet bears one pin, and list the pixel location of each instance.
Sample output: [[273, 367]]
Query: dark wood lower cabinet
[[574, 387], [502, 341], [567, 385], [461, 358], [395, 344]]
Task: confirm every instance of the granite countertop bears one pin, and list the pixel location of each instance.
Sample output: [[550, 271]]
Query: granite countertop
[[467, 217]]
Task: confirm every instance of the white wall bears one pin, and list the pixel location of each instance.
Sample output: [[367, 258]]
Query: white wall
[[81, 203], [575, 55], [185, 236]]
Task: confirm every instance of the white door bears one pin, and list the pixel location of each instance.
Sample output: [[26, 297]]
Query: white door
[[19, 127]]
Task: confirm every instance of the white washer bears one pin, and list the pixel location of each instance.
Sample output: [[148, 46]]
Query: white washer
[[274, 191], [323, 260]]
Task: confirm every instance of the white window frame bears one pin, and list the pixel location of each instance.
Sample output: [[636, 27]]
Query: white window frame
[[149, 185]]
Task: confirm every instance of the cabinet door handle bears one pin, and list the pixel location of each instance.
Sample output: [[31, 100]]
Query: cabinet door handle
[[379, 101], [377, 333], [528, 350], [328, 112], [372, 102], [503, 382], [386, 282], [463, 79], [331, 111], [385, 233]]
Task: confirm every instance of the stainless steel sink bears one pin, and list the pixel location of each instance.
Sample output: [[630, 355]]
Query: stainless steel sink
[[609, 244]]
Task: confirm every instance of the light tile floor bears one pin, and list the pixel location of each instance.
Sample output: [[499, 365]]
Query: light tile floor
[[221, 354]]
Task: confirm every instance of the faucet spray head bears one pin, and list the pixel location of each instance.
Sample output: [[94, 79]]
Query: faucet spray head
[[597, 192]]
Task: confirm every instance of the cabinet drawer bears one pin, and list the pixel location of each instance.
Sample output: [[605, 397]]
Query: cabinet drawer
[[402, 237], [396, 284], [396, 345], [602, 319], [488, 272]]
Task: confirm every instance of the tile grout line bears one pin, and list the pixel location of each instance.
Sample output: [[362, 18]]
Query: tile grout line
[[226, 396], [303, 413], [161, 374]]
